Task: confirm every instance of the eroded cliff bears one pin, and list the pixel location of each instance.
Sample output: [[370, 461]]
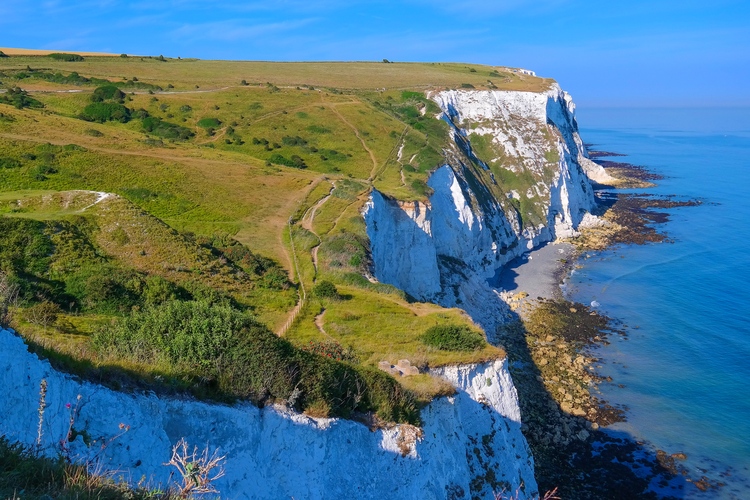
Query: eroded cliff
[[469, 446], [516, 175]]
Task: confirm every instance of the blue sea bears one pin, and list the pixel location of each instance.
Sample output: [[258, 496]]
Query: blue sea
[[685, 363]]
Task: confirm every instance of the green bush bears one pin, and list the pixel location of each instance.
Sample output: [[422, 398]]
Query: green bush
[[325, 290], [166, 130], [209, 123], [101, 112], [60, 56], [108, 93], [294, 162], [241, 358], [6, 162], [453, 338], [19, 98], [93, 132]]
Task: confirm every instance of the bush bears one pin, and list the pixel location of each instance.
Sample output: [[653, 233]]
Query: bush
[[453, 338], [296, 140], [331, 349], [209, 122], [6, 162], [325, 290], [19, 98], [108, 93], [93, 132], [3, 54], [166, 130], [243, 359], [101, 112], [43, 314], [60, 56], [295, 162]]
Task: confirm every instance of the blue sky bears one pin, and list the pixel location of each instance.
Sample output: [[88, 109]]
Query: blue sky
[[618, 53]]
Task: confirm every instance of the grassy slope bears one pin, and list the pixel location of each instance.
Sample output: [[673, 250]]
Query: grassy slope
[[353, 123]]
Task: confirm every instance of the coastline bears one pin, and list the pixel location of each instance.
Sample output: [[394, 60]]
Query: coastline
[[552, 353]]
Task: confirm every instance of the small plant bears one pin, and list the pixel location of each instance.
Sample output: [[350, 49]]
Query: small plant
[[453, 338], [198, 469], [60, 56], [44, 313], [93, 132], [331, 349]]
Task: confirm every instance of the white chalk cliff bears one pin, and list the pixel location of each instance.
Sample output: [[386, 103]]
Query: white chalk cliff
[[469, 446], [448, 249]]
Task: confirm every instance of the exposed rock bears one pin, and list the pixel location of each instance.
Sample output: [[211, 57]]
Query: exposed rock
[[273, 453]]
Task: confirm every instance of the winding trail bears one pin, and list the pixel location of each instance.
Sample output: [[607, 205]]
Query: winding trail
[[307, 223], [332, 107]]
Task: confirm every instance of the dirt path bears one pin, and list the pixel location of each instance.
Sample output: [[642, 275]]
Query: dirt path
[[332, 107], [307, 223], [319, 322]]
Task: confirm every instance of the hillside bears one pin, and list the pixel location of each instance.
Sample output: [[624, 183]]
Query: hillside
[[209, 155]]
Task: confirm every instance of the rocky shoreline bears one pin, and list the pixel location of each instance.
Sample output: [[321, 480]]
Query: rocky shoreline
[[551, 350]]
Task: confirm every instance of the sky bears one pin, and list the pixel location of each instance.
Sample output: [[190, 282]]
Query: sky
[[647, 53]]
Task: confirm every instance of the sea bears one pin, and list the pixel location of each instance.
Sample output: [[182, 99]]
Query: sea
[[683, 368]]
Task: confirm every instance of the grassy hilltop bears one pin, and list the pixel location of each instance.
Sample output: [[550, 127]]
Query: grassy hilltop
[[224, 197]]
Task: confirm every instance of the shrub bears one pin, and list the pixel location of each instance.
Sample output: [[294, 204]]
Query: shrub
[[43, 314], [453, 338], [296, 140], [101, 112], [331, 349], [326, 290], [108, 93], [166, 130], [3, 54], [60, 56], [93, 132], [294, 162], [245, 360], [209, 122], [6, 162], [19, 98]]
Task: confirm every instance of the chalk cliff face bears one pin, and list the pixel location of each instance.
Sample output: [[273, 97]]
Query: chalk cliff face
[[470, 444], [524, 186]]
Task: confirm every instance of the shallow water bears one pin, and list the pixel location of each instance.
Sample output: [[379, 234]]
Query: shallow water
[[685, 363]]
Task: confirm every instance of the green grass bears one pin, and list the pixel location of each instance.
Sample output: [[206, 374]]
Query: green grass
[[25, 474]]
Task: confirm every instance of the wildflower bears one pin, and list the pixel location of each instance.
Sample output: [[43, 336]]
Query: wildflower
[[67, 405]]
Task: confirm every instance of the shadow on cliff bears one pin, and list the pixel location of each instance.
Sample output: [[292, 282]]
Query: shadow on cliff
[[572, 452]]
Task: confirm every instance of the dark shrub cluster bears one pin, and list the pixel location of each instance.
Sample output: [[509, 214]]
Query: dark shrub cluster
[[19, 98], [101, 112], [61, 56], [453, 338], [229, 350]]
